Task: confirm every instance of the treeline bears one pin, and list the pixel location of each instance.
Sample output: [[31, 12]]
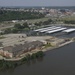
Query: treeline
[[25, 26], [17, 28], [19, 15], [12, 64], [70, 22], [49, 21]]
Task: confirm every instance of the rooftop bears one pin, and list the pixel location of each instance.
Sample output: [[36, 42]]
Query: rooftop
[[69, 30]]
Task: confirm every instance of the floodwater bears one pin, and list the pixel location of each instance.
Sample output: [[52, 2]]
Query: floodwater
[[59, 61]]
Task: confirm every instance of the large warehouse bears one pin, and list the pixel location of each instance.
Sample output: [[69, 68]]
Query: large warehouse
[[54, 29]]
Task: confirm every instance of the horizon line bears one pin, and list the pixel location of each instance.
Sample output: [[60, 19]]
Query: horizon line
[[37, 6]]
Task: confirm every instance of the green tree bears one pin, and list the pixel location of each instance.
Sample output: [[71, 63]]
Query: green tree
[[14, 30], [25, 25], [17, 26], [8, 30]]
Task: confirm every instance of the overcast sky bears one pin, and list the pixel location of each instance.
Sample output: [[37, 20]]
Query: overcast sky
[[37, 2]]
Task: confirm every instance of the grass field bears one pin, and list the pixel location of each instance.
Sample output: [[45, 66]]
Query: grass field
[[68, 18], [38, 20]]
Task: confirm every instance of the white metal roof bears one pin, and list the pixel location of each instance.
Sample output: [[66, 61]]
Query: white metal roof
[[69, 30], [44, 28], [56, 30]]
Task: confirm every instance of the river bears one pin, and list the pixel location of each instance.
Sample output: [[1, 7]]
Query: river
[[59, 61]]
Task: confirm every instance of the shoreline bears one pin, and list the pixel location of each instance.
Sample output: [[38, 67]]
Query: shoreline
[[44, 50], [53, 48]]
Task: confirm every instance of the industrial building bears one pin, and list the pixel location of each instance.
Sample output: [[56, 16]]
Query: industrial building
[[57, 30], [54, 29], [17, 50], [49, 29], [69, 30], [44, 28], [13, 45]]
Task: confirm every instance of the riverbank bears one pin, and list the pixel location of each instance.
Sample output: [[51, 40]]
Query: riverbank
[[4, 65], [61, 45], [12, 63], [35, 51]]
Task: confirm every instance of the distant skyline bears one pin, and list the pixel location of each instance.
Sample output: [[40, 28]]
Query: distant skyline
[[37, 2]]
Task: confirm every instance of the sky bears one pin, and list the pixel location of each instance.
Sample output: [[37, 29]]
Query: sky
[[37, 2]]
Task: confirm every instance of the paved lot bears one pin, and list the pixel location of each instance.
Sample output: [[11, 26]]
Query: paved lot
[[1, 57], [38, 38], [12, 39]]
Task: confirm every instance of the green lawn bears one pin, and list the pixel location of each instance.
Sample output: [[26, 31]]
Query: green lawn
[[68, 18], [37, 20]]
